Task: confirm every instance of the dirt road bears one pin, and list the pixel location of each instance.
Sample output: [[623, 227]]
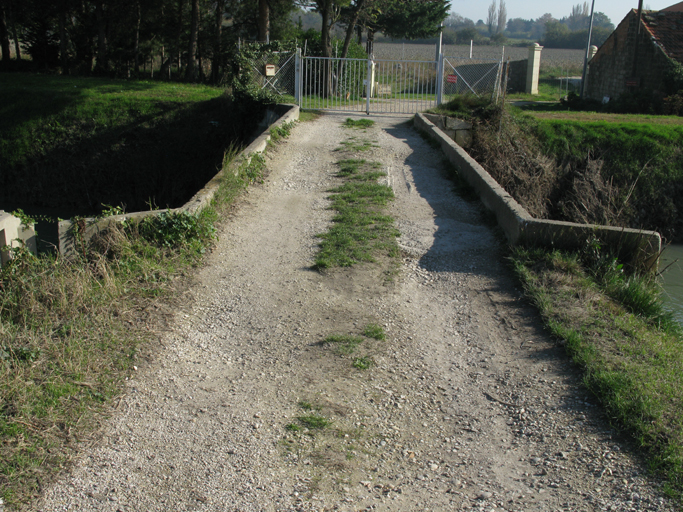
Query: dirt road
[[469, 404]]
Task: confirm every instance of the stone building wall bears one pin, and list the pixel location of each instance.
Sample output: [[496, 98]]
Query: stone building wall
[[612, 66]]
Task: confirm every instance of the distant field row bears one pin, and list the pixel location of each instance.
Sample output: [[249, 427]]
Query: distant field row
[[550, 57]]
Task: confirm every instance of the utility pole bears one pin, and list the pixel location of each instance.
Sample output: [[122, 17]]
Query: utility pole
[[588, 49]]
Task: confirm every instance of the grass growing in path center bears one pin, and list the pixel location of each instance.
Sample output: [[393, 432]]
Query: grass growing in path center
[[360, 230]]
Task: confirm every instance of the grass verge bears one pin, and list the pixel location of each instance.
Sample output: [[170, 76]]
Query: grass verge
[[72, 331], [614, 328]]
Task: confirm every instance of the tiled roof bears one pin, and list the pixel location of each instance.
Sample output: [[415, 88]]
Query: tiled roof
[[666, 29]]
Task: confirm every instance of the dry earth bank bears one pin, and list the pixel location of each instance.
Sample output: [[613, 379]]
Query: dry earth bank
[[469, 404]]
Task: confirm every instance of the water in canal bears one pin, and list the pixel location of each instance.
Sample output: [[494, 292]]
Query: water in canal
[[672, 279]]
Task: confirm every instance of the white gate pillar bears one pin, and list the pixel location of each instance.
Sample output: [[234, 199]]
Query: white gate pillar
[[533, 68]]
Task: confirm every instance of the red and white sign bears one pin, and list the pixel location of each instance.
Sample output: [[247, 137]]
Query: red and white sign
[[452, 79]]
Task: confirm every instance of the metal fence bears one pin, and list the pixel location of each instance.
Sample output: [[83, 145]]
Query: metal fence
[[275, 72], [367, 85], [470, 76], [373, 85]]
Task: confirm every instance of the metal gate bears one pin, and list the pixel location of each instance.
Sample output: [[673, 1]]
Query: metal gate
[[390, 86], [367, 85]]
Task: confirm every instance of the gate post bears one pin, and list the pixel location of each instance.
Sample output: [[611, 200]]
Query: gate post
[[439, 80], [369, 84], [297, 77]]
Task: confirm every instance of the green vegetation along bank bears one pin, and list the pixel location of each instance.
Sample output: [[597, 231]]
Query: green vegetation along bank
[[71, 331], [629, 348], [625, 174], [75, 144]]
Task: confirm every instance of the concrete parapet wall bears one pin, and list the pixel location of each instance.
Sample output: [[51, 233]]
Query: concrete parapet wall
[[88, 227], [521, 228], [14, 234]]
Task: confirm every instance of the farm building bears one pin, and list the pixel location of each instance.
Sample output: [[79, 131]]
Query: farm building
[[638, 54]]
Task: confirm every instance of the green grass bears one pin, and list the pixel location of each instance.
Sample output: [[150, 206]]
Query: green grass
[[548, 90], [314, 421], [363, 363], [359, 170], [374, 331], [630, 353], [87, 142], [358, 123], [281, 132], [357, 145], [345, 343], [360, 229], [40, 112]]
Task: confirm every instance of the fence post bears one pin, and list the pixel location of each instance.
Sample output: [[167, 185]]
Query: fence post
[[14, 233], [439, 79], [369, 84], [297, 77]]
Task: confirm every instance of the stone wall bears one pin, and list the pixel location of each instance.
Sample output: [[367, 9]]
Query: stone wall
[[612, 66]]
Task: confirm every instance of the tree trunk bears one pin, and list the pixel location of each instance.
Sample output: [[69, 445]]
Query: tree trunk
[[179, 34], [191, 71], [102, 58], [263, 21], [325, 39], [326, 43], [138, 20], [216, 63], [63, 57], [4, 35], [15, 34], [369, 44], [349, 30]]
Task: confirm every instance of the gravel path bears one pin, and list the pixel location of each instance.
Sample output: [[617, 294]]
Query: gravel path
[[470, 405]]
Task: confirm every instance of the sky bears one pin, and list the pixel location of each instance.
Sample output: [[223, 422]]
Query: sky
[[616, 10]]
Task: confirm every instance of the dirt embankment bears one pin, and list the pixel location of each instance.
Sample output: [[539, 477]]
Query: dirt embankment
[[587, 189], [469, 403]]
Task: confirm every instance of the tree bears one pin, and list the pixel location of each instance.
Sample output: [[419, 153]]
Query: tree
[[519, 26], [263, 21], [357, 9], [491, 19], [538, 29], [405, 19], [600, 19], [578, 19], [4, 35], [502, 17], [191, 70], [467, 34]]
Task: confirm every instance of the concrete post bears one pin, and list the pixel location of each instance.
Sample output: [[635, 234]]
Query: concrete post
[[13, 234], [533, 67], [593, 50]]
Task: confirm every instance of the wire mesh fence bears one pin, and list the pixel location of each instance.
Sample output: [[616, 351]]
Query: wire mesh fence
[[275, 72], [470, 76]]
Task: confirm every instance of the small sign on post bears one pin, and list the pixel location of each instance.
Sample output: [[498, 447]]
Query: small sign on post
[[269, 69]]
